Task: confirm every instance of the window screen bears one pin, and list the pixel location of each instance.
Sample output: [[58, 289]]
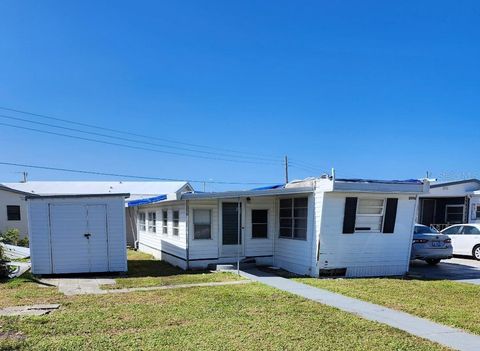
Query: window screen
[[202, 224], [259, 223], [141, 221], [13, 213], [176, 222], [293, 218], [152, 222], [165, 222]]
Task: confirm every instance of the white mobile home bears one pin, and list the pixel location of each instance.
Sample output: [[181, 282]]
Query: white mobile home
[[13, 212], [77, 233], [314, 227]]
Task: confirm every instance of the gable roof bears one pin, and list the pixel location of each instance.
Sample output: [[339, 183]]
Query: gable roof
[[137, 190], [15, 191]]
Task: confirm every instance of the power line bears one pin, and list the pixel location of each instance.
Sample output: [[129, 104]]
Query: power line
[[131, 140], [127, 175], [304, 168], [305, 164], [133, 134], [134, 147]]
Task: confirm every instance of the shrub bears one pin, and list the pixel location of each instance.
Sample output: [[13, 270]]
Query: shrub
[[3, 267], [11, 236], [24, 242]]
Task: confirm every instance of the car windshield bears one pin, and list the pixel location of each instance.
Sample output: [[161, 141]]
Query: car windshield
[[423, 229]]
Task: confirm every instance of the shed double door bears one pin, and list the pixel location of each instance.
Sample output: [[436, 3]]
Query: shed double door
[[78, 237]]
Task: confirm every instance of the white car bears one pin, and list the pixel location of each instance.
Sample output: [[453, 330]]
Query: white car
[[465, 239]]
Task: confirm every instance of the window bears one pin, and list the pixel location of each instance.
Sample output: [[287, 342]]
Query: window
[[423, 229], [152, 222], [369, 217], [452, 230], [470, 230], [259, 224], [477, 212], [202, 228], [454, 214], [293, 218], [165, 222], [176, 222], [13, 213], [141, 221]]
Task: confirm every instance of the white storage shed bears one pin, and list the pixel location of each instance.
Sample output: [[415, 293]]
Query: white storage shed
[[77, 233]]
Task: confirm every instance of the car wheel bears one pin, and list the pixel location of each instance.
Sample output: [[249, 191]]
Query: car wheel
[[476, 252], [432, 261]]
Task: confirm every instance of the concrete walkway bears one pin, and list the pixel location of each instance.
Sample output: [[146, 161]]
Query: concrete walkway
[[86, 286], [447, 336]]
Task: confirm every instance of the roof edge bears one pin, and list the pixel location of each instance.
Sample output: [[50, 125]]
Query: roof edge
[[455, 182], [68, 196]]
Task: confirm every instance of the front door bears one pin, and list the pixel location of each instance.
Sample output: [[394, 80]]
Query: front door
[[231, 238]]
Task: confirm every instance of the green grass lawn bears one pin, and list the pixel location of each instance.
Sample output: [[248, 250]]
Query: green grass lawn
[[445, 302], [145, 271], [26, 290], [246, 317]]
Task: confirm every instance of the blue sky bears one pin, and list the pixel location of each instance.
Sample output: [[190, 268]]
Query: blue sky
[[376, 89]]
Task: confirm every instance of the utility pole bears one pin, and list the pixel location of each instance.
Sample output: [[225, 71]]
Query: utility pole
[[25, 176], [286, 169]]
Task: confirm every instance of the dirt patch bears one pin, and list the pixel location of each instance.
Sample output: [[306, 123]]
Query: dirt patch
[[12, 335]]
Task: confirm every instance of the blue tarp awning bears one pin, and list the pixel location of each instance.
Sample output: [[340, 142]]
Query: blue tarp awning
[[146, 201], [276, 186]]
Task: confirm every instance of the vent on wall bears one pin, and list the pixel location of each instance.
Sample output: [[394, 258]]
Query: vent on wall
[[333, 272]]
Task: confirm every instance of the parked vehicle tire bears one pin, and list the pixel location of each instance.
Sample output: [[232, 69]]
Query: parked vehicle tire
[[476, 252], [432, 261]]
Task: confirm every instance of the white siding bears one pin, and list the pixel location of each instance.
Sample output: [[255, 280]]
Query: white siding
[[204, 248], [259, 246], [11, 198], [364, 254], [39, 228], [168, 247], [296, 255]]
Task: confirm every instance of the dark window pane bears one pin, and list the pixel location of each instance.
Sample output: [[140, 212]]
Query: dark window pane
[[230, 223], [286, 203], [286, 213], [259, 230], [300, 223], [300, 212], [202, 231], [452, 230], [286, 223], [301, 202], [300, 233], [286, 232], [259, 216], [470, 230], [13, 213]]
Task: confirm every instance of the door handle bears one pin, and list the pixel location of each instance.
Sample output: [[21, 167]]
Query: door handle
[[87, 235]]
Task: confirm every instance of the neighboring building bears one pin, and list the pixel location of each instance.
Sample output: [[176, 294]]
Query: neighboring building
[[77, 233], [450, 203], [15, 196], [314, 227], [13, 210]]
